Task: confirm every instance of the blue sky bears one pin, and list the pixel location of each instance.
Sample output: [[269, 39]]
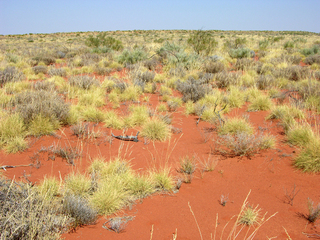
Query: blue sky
[[49, 16]]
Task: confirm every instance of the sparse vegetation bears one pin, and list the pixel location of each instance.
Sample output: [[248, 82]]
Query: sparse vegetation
[[183, 88]]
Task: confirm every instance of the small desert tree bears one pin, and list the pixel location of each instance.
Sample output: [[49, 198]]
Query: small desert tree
[[202, 42]]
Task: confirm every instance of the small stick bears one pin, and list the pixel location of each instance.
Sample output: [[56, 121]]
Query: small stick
[[10, 166]]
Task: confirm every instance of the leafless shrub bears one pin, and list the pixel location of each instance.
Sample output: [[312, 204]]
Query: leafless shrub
[[225, 79], [291, 195], [192, 89], [239, 144], [139, 83], [10, 74], [147, 76], [84, 81], [121, 85], [312, 59], [294, 73], [264, 82], [187, 168], [26, 215], [82, 130], [102, 70], [177, 72], [205, 77], [314, 212], [117, 224], [57, 72], [317, 75], [79, 209], [46, 59], [224, 199], [151, 64], [40, 69], [44, 85], [89, 59], [173, 106], [167, 118], [67, 153], [244, 64], [49, 104], [214, 67]]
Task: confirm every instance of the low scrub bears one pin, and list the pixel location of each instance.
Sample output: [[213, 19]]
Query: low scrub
[[49, 104], [192, 89], [23, 213], [244, 144], [84, 82], [10, 74]]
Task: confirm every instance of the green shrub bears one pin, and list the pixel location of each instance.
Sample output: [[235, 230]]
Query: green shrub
[[240, 53], [131, 57], [102, 40], [202, 42]]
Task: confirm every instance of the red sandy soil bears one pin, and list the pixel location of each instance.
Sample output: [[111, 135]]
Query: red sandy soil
[[268, 174]]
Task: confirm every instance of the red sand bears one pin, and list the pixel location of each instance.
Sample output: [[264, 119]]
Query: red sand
[[267, 174]]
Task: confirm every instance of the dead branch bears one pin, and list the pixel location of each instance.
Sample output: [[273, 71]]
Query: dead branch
[[11, 166]]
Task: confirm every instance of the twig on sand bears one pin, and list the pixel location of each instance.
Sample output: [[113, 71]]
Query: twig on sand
[[4, 167]]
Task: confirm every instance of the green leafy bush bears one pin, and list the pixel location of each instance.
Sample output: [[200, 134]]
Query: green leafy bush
[[102, 40], [131, 57], [202, 42]]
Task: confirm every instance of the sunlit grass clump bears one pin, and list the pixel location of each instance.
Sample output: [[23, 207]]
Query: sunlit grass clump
[[156, 129], [309, 158], [261, 103], [236, 125]]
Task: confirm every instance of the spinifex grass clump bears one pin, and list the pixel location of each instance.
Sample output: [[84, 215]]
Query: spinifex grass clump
[[116, 185], [155, 129], [309, 158], [12, 133], [250, 216], [187, 168], [236, 125]]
